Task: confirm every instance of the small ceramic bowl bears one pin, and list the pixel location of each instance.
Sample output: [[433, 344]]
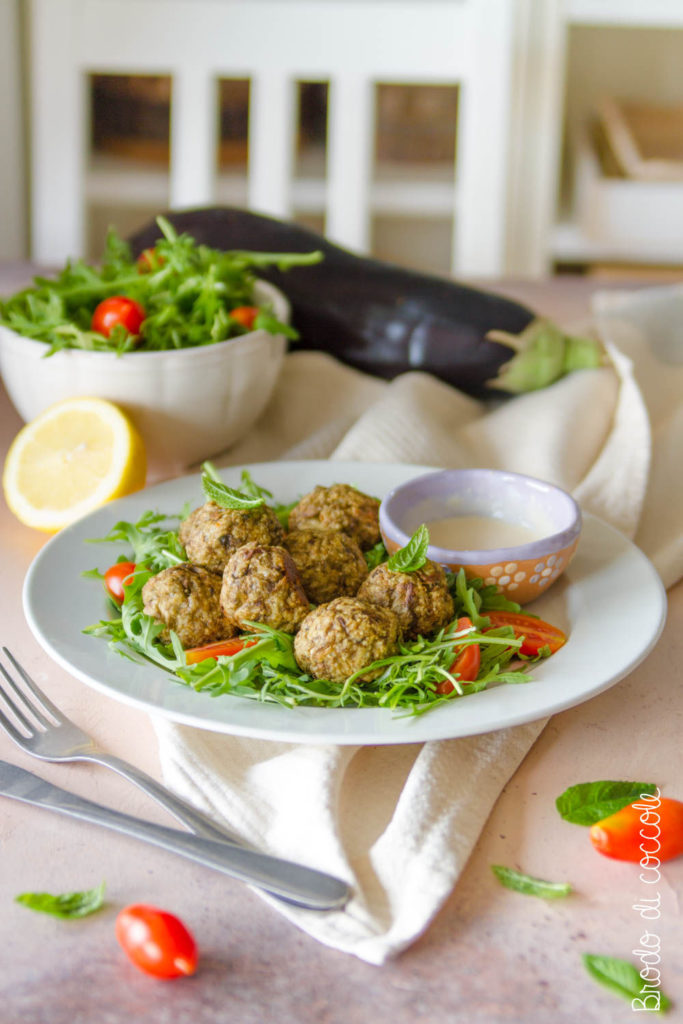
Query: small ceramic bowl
[[188, 404], [522, 572]]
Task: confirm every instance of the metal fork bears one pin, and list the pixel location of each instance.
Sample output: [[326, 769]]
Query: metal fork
[[51, 736]]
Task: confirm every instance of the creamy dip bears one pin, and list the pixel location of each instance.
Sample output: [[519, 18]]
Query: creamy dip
[[479, 533]]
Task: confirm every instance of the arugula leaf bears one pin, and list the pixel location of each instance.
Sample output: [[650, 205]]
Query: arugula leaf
[[156, 547], [376, 555], [529, 885], [589, 802], [65, 905], [621, 977], [413, 555]]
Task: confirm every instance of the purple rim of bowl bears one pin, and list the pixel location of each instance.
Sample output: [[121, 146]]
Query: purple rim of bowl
[[440, 484]]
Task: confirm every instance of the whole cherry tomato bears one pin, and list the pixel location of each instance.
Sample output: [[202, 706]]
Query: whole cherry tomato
[[466, 664], [657, 827], [245, 315], [155, 941], [216, 649], [536, 633], [118, 309], [115, 578]]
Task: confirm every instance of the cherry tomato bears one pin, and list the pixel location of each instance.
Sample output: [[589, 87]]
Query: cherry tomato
[[118, 309], [245, 315], [155, 941], [644, 829], [148, 260], [215, 649], [114, 579], [536, 633], [466, 664]]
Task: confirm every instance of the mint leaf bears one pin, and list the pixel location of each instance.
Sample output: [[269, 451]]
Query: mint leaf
[[529, 885], [622, 977], [588, 802], [66, 904], [413, 555], [227, 497]]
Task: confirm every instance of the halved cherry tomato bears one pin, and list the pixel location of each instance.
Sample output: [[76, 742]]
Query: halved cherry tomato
[[118, 309], [155, 941], [536, 633], [245, 315], [215, 649], [644, 829], [148, 260], [466, 664], [114, 579]]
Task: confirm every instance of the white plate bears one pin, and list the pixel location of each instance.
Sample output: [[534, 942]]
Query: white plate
[[610, 601]]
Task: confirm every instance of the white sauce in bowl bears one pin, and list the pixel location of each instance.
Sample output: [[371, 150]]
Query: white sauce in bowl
[[479, 533]]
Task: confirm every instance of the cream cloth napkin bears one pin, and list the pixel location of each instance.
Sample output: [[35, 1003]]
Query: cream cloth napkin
[[399, 822]]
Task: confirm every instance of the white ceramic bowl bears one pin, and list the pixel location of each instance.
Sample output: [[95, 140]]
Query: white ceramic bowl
[[189, 404], [522, 572]]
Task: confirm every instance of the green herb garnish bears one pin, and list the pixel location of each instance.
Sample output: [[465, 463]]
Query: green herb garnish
[[529, 885], [65, 905], [376, 555], [187, 292], [227, 497], [622, 977], [413, 555], [589, 802]]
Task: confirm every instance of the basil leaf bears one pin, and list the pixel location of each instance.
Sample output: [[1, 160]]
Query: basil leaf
[[528, 885], [227, 497], [588, 802], [623, 978], [413, 555], [66, 904]]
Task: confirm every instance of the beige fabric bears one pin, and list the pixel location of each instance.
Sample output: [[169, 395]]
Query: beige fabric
[[400, 822]]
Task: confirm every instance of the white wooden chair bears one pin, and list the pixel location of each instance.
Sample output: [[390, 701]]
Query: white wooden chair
[[352, 44]]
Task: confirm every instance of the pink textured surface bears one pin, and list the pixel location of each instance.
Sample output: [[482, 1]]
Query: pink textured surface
[[491, 954]]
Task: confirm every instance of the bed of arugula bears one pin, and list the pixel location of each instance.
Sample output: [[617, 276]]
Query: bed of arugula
[[266, 670]]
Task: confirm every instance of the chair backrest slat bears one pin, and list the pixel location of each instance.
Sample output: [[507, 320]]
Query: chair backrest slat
[[353, 45]]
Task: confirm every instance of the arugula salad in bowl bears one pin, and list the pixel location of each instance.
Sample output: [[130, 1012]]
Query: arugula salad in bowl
[[186, 339], [301, 605]]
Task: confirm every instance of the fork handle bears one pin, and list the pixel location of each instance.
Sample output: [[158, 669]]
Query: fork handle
[[182, 811]]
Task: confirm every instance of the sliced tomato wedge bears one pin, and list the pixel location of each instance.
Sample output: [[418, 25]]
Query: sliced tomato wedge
[[466, 663], [535, 632], [218, 648]]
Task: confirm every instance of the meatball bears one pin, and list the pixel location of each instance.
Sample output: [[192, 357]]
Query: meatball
[[261, 584], [339, 507], [420, 599], [339, 638], [330, 564], [211, 533], [186, 599]]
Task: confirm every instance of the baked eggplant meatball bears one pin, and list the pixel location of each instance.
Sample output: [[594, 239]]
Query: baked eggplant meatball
[[186, 599], [330, 564], [420, 599], [261, 584], [339, 638], [211, 533], [339, 507]]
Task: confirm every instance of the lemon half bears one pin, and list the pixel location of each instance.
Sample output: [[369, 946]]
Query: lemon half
[[69, 460]]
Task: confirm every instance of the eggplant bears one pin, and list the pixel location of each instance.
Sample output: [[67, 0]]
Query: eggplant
[[378, 317]]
